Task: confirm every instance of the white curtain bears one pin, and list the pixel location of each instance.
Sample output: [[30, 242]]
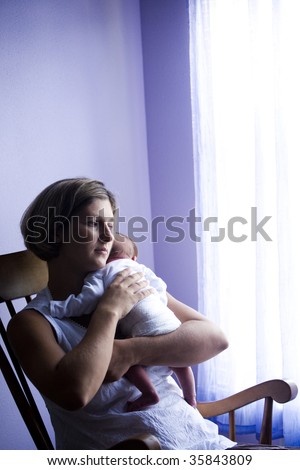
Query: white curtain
[[245, 82]]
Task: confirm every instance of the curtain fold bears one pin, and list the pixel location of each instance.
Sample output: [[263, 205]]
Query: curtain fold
[[245, 91]]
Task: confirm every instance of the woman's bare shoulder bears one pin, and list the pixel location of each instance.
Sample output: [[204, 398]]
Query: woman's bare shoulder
[[22, 318], [37, 350], [27, 325]]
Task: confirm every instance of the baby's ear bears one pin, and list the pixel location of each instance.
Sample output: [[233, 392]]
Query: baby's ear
[[134, 258]]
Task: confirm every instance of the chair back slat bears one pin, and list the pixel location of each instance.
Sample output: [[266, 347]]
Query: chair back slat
[[21, 275], [40, 438]]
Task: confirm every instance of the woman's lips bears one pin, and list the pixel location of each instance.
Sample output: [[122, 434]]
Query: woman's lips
[[102, 250]]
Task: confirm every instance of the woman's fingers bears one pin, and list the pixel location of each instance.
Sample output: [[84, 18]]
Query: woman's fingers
[[132, 280], [126, 290], [143, 292], [127, 277]]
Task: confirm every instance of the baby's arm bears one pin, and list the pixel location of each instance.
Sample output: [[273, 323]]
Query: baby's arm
[[81, 304]]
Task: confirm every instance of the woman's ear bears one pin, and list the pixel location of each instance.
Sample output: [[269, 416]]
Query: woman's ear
[[62, 233]]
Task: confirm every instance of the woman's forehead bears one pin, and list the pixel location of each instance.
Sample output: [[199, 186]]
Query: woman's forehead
[[97, 208]]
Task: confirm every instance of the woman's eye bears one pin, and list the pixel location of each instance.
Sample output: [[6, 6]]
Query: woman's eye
[[92, 223]]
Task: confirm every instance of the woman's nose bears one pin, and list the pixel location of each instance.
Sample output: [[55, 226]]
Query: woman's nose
[[106, 235]]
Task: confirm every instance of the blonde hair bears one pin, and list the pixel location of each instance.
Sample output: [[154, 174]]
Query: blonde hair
[[56, 204]]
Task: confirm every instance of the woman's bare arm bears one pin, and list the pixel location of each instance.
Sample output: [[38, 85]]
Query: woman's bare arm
[[69, 379], [195, 341], [72, 379]]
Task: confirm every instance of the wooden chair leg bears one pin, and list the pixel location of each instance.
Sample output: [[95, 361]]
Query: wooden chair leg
[[266, 427], [232, 434]]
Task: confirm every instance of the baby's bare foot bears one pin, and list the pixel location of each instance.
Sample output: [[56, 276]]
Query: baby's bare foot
[[191, 401], [142, 402]]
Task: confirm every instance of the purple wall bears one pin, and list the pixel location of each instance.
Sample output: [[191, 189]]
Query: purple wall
[[165, 39], [72, 104]]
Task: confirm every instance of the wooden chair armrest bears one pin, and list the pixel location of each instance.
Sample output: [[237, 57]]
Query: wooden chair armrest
[[279, 390], [139, 442]]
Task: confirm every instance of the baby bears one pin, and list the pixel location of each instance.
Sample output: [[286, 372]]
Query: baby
[[149, 317]]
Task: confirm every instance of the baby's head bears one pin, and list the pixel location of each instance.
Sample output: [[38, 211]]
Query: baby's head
[[123, 248]]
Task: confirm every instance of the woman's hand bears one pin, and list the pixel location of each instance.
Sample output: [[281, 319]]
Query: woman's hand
[[123, 293]]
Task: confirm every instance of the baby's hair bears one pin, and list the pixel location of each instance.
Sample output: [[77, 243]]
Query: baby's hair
[[124, 245], [135, 248]]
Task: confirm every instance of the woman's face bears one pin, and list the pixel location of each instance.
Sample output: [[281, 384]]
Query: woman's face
[[89, 239]]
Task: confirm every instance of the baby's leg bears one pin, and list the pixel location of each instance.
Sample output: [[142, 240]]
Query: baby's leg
[[137, 375], [187, 381]]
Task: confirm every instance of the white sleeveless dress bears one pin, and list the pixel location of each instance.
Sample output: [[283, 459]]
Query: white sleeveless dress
[[104, 421]]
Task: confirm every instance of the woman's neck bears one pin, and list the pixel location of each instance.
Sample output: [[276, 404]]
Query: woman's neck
[[63, 281]]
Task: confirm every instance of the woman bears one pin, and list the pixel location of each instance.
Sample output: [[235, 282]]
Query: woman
[[79, 368]]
